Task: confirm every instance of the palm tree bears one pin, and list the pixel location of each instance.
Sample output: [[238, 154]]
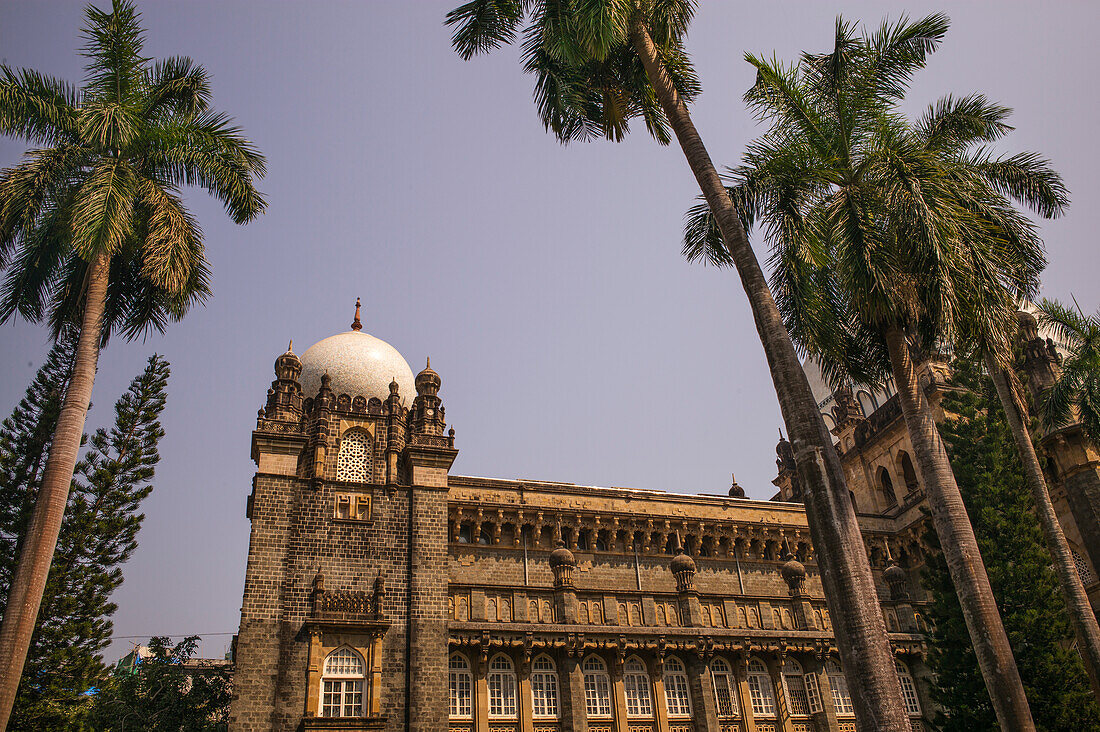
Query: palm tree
[[94, 233], [889, 237], [599, 65], [1076, 394]]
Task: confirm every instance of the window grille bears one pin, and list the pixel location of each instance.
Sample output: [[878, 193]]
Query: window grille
[[760, 689], [842, 700], [725, 688], [908, 690], [639, 702], [353, 463], [794, 686], [544, 688], [461, 685], [342, 684], [502, 687], [677, 696], [597, 688], [1083, 570]]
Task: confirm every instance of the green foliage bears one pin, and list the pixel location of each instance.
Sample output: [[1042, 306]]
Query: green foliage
[[117, 153], [97, 537], [875, 220], [988, 471], [589, 81], [162, 694], [1077, 393]]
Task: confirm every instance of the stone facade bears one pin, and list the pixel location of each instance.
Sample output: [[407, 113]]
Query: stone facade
[[384, 593]]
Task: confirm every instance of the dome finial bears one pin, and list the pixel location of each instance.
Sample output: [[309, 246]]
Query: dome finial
[[290, 346], [355, 324]]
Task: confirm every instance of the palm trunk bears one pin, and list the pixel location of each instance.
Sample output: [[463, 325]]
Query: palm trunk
[[853, 603], [960, 547], [1081, 615], [25, 595]]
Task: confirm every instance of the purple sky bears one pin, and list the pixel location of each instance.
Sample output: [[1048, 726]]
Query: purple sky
[[574, 342]]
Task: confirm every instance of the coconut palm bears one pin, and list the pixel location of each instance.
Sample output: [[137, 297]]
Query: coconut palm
[[888, 238], [598, 65], [94, 233], [1076, 394]]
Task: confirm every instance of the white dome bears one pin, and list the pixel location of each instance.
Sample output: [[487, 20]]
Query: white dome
[[358, 364]]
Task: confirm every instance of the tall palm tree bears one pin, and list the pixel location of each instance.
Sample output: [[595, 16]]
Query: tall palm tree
[[597, 66], [1076, 394], [94, 233], [888, 237]]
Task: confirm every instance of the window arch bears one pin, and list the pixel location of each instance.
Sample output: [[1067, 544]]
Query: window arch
[[342, 684], [842, 700], [795, 689], [725, 688], [639, 702], [597, 687], [886, 485], [677, 696], [760, 689], [353, 462], [908, 690], [501, 682], [908, 472], [544, 688], [866, 403], [461, 686]]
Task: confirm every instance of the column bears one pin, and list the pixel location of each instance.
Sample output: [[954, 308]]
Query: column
[[526, 706], [703, 708], [740, 671], [481, 692], [618, 694], [660, 709], [774, 662], [825, 720], [574, 716]]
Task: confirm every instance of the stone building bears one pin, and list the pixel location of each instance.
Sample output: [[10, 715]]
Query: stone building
[[384, 593]]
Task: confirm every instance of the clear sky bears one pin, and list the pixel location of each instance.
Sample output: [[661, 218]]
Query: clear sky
[[545, 282]]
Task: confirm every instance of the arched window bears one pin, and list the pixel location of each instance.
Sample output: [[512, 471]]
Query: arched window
[[725, 688], [794, 687], [461, 684], [354, 459], [544, 688], [342, 684], [908, 473], [760, 689], [886, 485], [1083, 570], [677, 696], [597, 687], [842, 700], [502, 687], [866, 403], [639, 703], [908, 690]]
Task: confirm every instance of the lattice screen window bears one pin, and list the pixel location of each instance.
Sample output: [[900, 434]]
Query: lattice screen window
[[461, 687], [677, 696], [342, 684], [544, 688], [353, 464], [908, 690], [760, 689], [639, 703], [725, 688], [1083, 570]]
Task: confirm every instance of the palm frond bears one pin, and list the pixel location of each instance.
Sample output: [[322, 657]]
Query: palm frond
[[113, 46], [484, 25], [40, 109], [176, 85]]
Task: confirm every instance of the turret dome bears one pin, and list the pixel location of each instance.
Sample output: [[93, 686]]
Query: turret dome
[[358, 364]]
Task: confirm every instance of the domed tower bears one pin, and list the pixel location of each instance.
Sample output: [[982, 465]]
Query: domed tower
[[351, 487]]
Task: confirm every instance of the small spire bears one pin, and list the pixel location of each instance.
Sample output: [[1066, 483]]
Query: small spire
[[429, 364], [290, 346], [355, 324], [781, 434]]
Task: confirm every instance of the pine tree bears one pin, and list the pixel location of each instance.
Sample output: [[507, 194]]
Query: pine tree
[[98, 535], [1025, 586]]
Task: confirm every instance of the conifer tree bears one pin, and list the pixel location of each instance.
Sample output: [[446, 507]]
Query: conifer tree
[[98, 534], [988, 470]]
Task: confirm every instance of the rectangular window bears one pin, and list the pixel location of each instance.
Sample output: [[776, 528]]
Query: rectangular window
[[676, 695], [342, 699], [502, 695], [909, 694], [597, 695], [544, 694], [813, 694], [460, 693], [638, 703], [796, 695]]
